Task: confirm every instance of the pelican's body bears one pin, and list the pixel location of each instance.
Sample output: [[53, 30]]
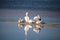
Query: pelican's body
[[37, 19], [27, 19]]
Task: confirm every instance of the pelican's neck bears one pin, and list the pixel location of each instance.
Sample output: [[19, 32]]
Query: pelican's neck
[[27, 14]]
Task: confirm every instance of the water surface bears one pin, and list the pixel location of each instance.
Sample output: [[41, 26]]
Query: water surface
[[11, 31]]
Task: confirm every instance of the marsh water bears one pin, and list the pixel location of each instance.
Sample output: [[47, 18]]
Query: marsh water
[[11, 31]]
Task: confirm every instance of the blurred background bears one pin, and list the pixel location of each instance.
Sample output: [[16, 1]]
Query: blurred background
[[12, 10]]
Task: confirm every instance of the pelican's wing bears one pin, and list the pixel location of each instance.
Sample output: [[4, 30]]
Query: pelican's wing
[[52, 25]]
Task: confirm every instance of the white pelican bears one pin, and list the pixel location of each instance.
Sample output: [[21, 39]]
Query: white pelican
[[37, 19], [27, 19], [20, 20]]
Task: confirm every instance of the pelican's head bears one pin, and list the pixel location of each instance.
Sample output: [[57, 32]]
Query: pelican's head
[[36, 18], [27, 14]]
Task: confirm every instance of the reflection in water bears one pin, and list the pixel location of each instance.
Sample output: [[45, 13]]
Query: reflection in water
[[26, 28], [25, 37], [36, 29]]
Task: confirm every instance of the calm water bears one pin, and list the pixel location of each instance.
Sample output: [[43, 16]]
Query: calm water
[[10, 31]]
